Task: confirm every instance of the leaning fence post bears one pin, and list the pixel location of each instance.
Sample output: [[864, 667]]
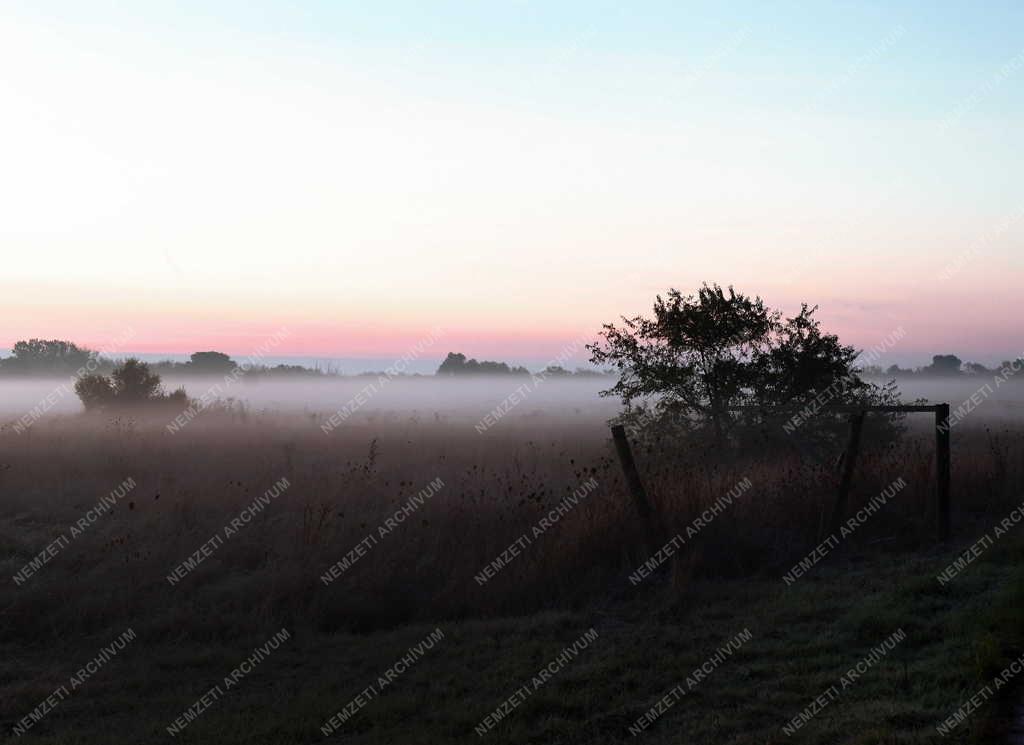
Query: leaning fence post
[[654, 533], [942, 470], [852, 448]]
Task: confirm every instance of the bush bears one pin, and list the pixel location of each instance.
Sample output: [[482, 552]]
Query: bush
[[131, 383], [134, 382], [95, 391]]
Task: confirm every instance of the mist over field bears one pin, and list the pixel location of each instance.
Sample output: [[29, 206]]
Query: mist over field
[[467, 398]]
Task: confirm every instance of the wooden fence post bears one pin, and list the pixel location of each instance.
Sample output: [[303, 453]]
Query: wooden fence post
[[852, 448], [654, 532], [942, 470]]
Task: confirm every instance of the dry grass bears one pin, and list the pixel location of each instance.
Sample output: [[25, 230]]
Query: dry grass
[[344, 486], [497, 486]]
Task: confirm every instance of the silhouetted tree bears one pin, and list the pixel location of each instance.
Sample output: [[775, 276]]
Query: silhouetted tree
[[454, 364], [216, 363], [700, 355], [943, 364], [130, 384], [556, 371], [133, 381], [94, 391], [47, 356], [457, 364]]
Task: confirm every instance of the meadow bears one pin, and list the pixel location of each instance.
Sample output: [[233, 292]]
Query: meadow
[[514, 540]]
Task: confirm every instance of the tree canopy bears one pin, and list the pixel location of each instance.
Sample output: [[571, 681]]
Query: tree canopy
[[47, 356], [457, 364], [700, 355], [210, 362], [131, 383]]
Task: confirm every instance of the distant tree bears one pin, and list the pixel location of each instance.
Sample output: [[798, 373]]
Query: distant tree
[[94, 391], [976, 368], [894, 370], [130, 384], [454, 364], [457, 364], [133, 381], [556, 371], [943, 364], [210, 362], [701, 355], [582, 372], [289, 370], [47, 356]]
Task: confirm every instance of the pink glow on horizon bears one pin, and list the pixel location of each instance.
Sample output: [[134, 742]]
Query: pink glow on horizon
[[925, 335], [318, 341], [862, 315]]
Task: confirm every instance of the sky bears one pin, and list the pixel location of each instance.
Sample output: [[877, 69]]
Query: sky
[[201, 175]]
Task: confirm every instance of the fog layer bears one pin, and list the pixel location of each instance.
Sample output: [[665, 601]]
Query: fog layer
[[472, 398]]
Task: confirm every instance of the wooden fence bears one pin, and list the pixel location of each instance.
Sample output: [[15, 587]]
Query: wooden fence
[[655, 530]]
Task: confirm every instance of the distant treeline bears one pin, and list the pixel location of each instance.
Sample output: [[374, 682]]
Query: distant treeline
[[457, 364], [59, 357], [945, 366]]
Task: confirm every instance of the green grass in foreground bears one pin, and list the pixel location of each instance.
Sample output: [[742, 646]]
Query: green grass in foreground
[[804, 639]]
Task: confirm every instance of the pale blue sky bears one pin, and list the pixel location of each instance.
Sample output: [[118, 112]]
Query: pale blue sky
[[518, 172]]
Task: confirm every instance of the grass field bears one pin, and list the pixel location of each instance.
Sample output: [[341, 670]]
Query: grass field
[[804, 639], [418, 575]]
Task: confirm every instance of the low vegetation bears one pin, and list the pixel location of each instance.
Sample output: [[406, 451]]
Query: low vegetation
[[131, 384], [344, 487]]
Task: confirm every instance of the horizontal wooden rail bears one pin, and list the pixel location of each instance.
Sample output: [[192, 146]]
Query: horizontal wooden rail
[[842, 408]]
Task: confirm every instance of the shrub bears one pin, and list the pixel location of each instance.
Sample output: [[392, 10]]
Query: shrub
[[131, 383], [95, 391]]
